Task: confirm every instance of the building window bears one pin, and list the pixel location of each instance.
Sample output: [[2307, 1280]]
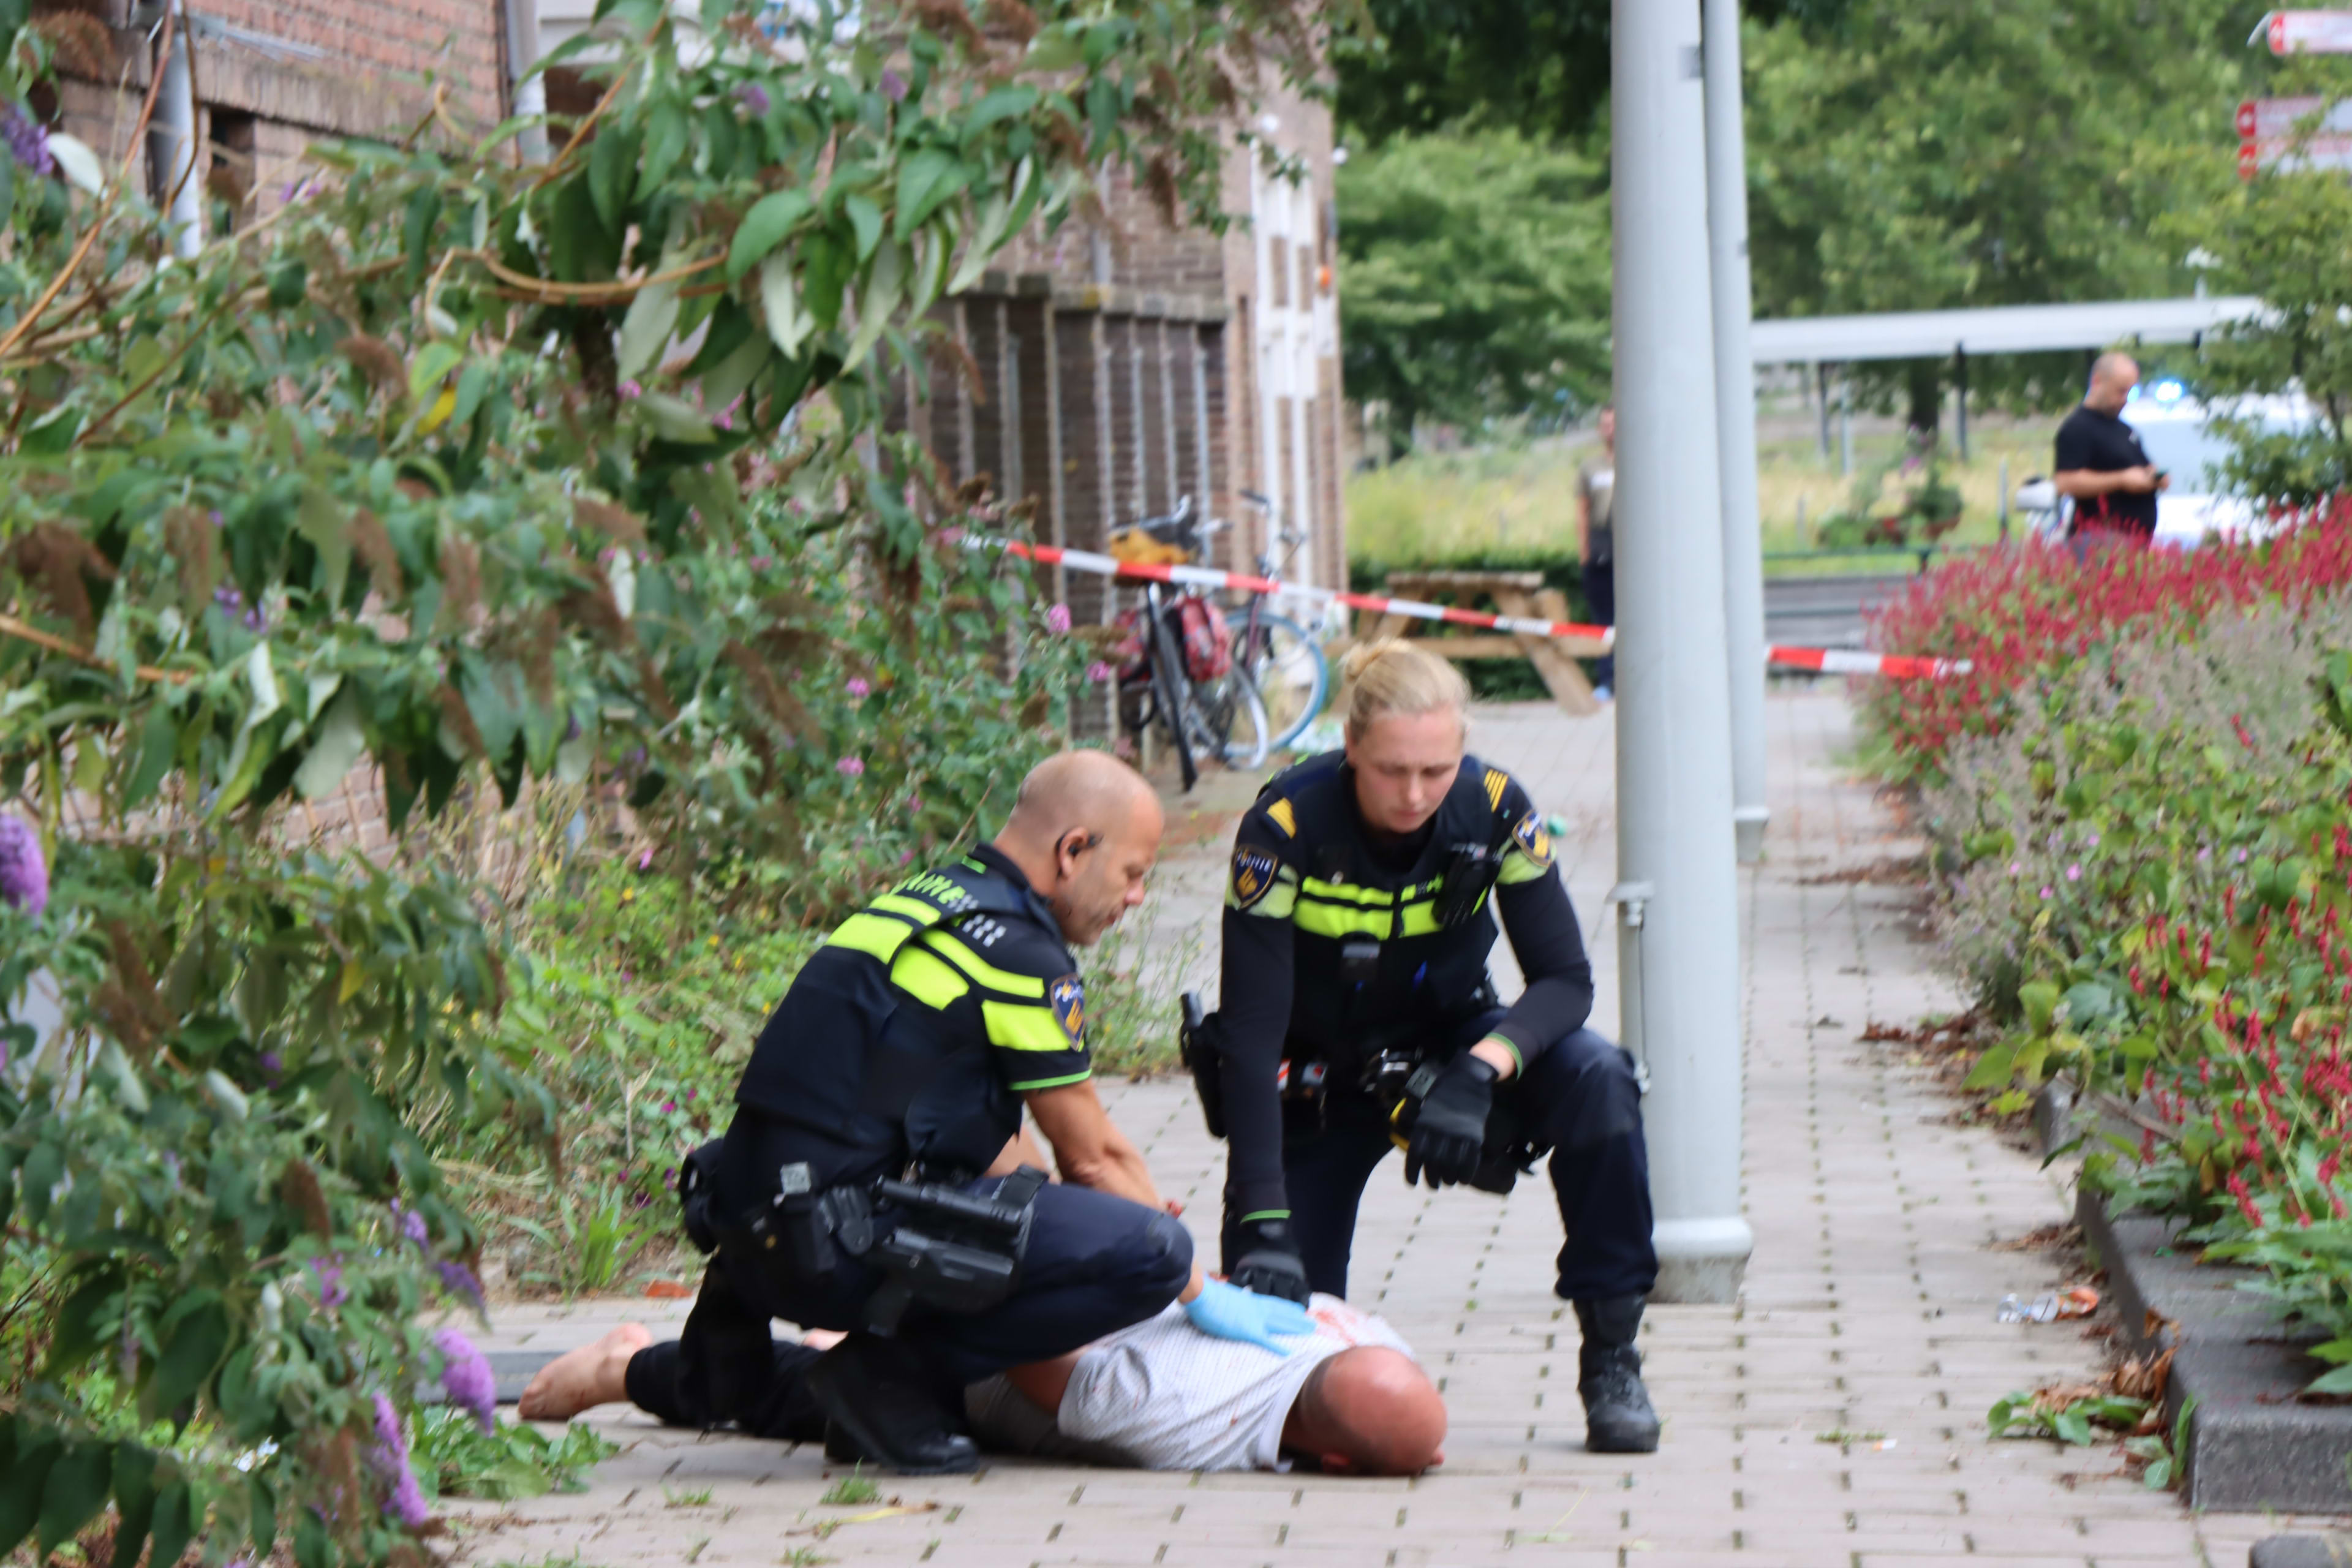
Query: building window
[[1278, 256]]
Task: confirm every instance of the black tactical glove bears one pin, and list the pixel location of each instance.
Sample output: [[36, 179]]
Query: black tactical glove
[[1266, 1258], [1450, 1129]]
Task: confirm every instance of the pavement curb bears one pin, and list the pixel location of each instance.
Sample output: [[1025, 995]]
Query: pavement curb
[[2251, 1447], [2301, 1551]]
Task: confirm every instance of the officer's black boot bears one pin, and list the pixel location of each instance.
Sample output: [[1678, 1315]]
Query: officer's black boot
[[880, 1401], [1618, 1417]]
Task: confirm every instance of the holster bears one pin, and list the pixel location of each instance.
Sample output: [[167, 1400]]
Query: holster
[[950, 1249], [1201, 1044]]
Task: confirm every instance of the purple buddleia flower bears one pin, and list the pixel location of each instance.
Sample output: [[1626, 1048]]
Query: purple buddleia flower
[[753, 97], [894, 85], [331, 1282], [24, 875], [411, 1223], [466, 1377], [850, 767], [28, 140], [403, 1498], [1057, 618], [458, 1280]]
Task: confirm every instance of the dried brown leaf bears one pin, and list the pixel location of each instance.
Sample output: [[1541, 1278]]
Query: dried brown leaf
[[379, 359], [298, 1189], [617, 524], [1013, 19], [372, 544], [53, 560]]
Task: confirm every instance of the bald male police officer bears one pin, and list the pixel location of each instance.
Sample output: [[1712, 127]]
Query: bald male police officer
[[871, 1181]]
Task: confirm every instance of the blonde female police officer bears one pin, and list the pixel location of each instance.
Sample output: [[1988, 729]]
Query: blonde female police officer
[[1356, 1004]]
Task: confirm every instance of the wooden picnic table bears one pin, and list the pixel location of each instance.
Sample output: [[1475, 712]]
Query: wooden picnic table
[[1520, 594]]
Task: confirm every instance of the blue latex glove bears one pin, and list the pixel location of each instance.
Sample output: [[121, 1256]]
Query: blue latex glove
[[1230, 1313]]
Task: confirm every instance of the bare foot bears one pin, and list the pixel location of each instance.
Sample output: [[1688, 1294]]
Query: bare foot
[[822, 1339], [583, 1379]]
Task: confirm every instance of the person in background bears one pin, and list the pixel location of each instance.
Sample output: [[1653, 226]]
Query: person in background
[[1596, 520], [2101, 465]]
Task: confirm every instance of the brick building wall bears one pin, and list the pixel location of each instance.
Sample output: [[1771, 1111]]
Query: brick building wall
[[272, 76]]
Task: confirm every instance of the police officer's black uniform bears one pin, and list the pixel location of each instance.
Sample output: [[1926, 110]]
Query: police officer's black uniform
[[902, 1051], [1354, 984]]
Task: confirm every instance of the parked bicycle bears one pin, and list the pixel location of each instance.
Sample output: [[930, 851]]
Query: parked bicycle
[[1202, 681], [1283, 663]]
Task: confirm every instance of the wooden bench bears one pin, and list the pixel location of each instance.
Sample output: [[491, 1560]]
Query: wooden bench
[[1519, 594]]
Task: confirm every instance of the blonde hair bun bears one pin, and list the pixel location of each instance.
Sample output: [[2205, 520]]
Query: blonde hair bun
[[1391, 674]]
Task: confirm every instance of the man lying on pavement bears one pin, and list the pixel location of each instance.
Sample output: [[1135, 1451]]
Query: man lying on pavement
[[1161, 1395]]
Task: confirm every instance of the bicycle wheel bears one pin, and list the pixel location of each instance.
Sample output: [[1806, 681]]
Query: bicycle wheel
[[1172, 694], [1287, 668], [1232, 720]]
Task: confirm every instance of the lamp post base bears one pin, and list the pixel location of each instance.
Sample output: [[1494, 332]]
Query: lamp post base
[[1701, 1261], [1748, 828]]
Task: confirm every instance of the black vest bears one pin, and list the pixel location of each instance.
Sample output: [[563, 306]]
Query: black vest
[[875, 1078], [1425, 975]]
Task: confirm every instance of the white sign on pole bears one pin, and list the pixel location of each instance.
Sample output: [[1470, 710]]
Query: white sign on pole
[[2293, 134], [2309, 32]]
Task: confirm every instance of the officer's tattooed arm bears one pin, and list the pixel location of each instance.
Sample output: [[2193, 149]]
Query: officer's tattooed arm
[[1093, 1152], [1088, 1147]]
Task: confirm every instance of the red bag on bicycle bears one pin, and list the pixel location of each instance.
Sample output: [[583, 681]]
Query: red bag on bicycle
[[1208, 647], [1127, 655]]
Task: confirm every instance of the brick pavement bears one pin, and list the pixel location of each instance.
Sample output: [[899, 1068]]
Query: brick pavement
[[1835, 1416]]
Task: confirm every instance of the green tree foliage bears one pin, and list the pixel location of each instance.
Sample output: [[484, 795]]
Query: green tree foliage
[[1969, 153], [1477, 277], [1540, 67], [491, 475], [2286, 237]]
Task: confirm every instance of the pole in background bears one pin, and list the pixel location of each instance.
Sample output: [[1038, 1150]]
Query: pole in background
[[2003, 501], [1960, 392], [1822, 401], [173, 175], [530, 86], [1676, 872], [1846, 420], [1735, 424]]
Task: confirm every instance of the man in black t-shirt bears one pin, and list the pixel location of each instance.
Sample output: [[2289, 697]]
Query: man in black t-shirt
[[2100, 462]]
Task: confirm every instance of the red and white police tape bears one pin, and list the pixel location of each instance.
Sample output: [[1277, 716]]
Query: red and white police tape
[[1827, 661]]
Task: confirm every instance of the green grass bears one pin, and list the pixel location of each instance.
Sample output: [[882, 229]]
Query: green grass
[[1437, 510], [686, 1499], [851, 1489]]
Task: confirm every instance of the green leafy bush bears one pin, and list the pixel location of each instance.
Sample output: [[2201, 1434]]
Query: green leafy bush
[[2147, 877], [495, 479], [456, 1457]]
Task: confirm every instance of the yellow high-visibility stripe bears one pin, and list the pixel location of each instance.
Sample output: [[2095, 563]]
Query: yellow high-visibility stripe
[[870, 934], [1518, 866], [922, 976], [1341, 893], [914, 910], [1420, 917], [1282, 816], [979, 969], [1017, 1027], [1036, 1084], [1275, 902], [1319, 919], [1496, 780]]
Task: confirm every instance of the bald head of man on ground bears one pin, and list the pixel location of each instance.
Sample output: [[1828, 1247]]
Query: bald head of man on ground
[[1085, 830]]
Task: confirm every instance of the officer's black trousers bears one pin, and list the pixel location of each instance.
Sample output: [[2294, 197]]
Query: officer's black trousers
[[1578, 1099], [1095, 1264]]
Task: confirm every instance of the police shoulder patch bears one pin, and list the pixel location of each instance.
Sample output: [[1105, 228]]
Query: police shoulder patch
[[1534, 838], [1068, 997], [1256, 870]]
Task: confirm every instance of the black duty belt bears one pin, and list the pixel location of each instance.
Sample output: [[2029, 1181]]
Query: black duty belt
[[932, 1243]]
